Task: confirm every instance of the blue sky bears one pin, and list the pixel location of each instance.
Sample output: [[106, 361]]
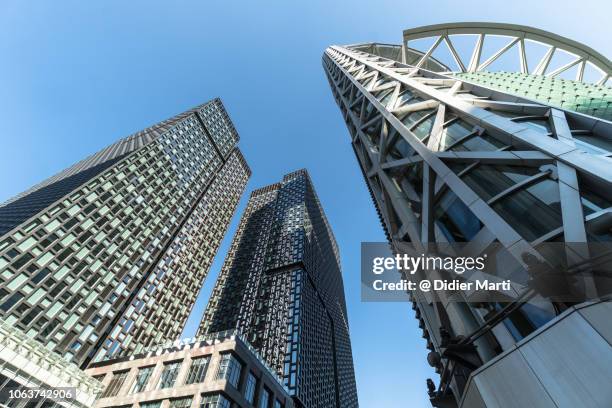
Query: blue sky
[[77, 75]]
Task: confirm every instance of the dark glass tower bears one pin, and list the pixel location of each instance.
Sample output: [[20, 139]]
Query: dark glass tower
[[108, 256], [281, 286]]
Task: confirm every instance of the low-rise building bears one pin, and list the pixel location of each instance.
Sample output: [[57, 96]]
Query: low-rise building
[[218, 370], [33, 376]]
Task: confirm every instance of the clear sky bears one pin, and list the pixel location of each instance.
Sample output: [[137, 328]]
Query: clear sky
[[77, 75]]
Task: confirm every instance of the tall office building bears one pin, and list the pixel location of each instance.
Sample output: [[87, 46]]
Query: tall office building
[[281, 286], [108, 256], [451, 160]]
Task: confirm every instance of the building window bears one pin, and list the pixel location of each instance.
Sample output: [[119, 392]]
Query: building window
[[420, 122], [423, 129], [229, 369], [99, 377], [454, 132], [168, 376], [181, 402], [152, 404], [115, 384], [483, 142], [264, 400], [456, 221], [534, 211], [592, 202], [524, 320], [198, 369], [142, 378], [251, 386], [487, 181], [215, 401]]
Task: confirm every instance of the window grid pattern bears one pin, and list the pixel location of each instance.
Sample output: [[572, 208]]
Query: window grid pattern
[[114, 385], [219, 126], [229, 369], [215, 401], [283, 247], [250, 388], [181, 403], [264, 399], [197, 370], [142, 378], [169, 374], [67, 275]]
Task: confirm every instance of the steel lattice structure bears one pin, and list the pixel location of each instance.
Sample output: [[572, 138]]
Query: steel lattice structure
[[516, 35], [447, 160], [531, 63]]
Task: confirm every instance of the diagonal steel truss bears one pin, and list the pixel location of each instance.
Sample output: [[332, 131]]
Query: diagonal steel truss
[[407, 184]]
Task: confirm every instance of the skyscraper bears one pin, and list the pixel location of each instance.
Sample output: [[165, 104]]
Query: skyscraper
[[108, 256], [281, 286], [452, 161]]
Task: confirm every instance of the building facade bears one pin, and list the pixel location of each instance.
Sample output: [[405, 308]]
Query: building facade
[[26, 365], [281, 285], [450, 161], [219, 370], [108, 256]]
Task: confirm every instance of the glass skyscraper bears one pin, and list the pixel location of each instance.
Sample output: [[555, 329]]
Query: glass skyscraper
[[281, 287], [448, 161], [108, 256]]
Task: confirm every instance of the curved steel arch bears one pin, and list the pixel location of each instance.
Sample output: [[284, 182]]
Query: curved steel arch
[[518, 35]]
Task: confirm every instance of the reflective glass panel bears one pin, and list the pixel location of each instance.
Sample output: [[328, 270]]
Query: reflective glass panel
[[453, 132], [487, 180], [115, 384], [482, 143], [423, 129], [457, 222], [534, 211], [229, 369], [414, 117], [141, 379], [249, 389], [197, 370], [168, 376]]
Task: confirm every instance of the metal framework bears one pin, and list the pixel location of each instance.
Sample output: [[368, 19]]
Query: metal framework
[[450, 161], [517, 36]]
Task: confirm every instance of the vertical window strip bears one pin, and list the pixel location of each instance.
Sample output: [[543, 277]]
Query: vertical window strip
[[169, 375], [197, 371]]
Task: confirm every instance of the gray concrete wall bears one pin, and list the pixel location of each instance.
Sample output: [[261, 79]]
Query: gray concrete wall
[[565, 364]]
